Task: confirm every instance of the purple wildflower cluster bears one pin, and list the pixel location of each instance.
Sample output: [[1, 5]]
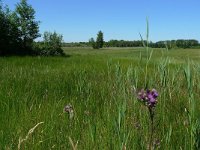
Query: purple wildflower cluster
[[148, 97]]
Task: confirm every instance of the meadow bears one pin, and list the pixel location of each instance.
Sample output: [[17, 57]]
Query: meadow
[[101, 86]]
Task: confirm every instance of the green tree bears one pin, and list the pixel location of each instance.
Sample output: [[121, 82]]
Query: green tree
[[4, 23], [53, 40], [92, 43], [9, 35], [100, 40], [51, 45], [29, 28]]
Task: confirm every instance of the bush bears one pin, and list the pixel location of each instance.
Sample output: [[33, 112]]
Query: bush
[[50, 46]]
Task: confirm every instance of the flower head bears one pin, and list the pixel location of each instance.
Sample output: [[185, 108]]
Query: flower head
[[148, 96], [69, 109]]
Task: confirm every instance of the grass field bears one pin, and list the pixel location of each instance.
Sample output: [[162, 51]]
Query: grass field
[[99, 85]]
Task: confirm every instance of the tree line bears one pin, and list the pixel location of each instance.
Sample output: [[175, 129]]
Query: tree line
[[99, 43], [180, 43], [19, 29]]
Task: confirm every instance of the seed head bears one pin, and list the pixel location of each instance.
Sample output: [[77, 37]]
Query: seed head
[[69, 109]]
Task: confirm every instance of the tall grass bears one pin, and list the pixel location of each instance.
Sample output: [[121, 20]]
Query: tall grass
[[107, 114]]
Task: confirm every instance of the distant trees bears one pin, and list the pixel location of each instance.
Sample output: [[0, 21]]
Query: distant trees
[[77, 44], [180, 43], [92, 43], [160, 44], [99, 41], [123, 43], [138, 43]]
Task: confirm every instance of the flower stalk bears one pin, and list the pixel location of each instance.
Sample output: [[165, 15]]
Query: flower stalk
[[149, 99]]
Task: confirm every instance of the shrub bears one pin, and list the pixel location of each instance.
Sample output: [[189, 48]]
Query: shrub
[[50, 46]]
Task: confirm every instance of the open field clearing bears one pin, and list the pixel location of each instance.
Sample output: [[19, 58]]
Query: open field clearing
[[101, 86], [135, 53]]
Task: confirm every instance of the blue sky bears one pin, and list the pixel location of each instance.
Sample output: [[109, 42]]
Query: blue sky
[[79, 20]]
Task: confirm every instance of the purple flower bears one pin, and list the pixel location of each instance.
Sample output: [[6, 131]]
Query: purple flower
[[148, 96], [154, 93]]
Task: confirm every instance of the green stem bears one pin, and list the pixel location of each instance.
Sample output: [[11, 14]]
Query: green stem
[[152, 128]]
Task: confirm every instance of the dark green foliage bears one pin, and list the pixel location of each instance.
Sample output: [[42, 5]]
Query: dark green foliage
[[100, 40], [28, 27], [18, 29], [4, 23], [93, 43], [180, 43], [160, 44], [9, 31], [77, 44], [51, 45], [123, 43]]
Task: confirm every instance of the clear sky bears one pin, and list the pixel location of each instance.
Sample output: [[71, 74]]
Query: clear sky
[[79, 20]]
